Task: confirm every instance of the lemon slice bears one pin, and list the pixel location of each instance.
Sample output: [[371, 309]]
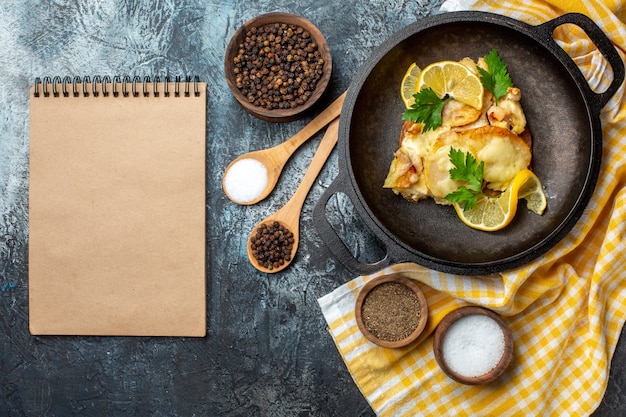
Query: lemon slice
[[450, 78], [494, 213], [489, 213], [408, 87]]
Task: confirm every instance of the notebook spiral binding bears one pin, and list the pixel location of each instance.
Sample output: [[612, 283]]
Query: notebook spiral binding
[[57, 86]]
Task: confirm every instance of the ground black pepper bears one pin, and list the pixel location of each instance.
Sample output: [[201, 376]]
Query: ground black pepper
[[391, 311], [272, 244], [278, 66]]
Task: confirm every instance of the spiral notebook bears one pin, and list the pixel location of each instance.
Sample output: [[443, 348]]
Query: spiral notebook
[[117, 207]]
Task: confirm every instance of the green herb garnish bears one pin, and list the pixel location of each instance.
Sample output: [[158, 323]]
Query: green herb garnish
[[426, 109], [497, 78], [466, 168]]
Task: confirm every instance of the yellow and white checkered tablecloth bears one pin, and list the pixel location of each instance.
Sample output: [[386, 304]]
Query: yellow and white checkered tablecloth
[[566, 309]]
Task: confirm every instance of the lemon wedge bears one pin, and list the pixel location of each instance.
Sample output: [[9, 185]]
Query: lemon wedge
[[495, 213], [408, 87], [453, 79], [531, 190]]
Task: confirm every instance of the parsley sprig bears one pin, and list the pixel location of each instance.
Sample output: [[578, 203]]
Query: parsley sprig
[[496, 78], [426, 109], [466, 168]]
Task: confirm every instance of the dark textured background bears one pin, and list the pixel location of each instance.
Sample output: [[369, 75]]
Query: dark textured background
[[267, 352]]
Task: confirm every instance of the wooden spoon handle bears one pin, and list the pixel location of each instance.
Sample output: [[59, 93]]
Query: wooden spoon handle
[[292, 208], [325, 117]]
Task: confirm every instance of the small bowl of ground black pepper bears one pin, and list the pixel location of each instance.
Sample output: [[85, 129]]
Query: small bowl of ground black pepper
[[391, 311], [277, 66]]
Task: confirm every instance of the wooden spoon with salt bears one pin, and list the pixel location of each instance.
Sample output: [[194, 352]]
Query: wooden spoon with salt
[[289, 215], [275, 158]]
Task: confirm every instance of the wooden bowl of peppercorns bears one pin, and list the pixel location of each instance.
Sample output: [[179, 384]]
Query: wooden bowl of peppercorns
[[277, 66]]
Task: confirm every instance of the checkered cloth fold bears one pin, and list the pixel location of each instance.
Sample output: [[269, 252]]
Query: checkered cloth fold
[[566, 309]]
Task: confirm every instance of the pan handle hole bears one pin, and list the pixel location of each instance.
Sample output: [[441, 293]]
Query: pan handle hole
[[351, 229], [579, 46]]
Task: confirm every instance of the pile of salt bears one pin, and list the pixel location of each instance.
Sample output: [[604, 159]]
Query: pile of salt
[[245, 180], [473, 345]]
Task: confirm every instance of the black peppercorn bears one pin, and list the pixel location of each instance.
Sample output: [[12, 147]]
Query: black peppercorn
[[274, 55], [272, 245]]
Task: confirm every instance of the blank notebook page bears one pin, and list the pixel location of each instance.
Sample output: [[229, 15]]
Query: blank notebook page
[[117, 211]]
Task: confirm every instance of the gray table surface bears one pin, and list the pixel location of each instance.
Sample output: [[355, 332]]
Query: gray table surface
[[267, 352]]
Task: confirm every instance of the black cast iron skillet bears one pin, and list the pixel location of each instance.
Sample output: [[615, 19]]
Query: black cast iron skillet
[[563, 115]]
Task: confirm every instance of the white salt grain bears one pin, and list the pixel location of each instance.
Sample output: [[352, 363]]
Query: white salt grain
[[245, 180], [473, 345]]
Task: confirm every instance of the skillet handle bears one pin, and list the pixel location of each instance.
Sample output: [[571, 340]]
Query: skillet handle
[[601, 42], [332, 239]]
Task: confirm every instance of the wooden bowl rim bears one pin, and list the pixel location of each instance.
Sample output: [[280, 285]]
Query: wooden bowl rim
[[369, 286], [451, 318], [278, 115]]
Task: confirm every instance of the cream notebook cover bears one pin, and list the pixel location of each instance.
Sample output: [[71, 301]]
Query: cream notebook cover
[[117, 207]]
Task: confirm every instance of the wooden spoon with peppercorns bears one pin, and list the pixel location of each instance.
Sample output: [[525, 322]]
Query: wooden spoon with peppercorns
[[274, 241], [275, 158]]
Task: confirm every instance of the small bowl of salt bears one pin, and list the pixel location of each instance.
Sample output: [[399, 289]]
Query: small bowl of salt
[[473, 345]]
